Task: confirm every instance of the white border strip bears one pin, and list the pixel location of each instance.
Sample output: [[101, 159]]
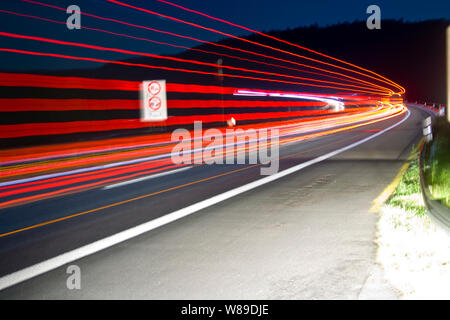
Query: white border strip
[[58, 261]]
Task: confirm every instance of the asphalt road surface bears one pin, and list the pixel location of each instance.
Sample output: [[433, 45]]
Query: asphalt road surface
[[308, 235]]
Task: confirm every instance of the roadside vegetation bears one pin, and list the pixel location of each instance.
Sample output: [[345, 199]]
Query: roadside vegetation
[[408, 194], [413, 252], [437, 162]]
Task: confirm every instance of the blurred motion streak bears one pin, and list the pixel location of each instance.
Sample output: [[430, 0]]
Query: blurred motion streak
[[64, 132]]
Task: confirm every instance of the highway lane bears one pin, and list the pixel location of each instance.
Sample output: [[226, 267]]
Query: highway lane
[[175, 191]]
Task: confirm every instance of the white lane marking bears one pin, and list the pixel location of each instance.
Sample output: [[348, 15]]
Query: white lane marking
[[60, 260], [153, 176]]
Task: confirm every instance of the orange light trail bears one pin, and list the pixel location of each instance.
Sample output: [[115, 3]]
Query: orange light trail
[[262, 92], [198, 50], [402, 90], [246, 40], [210, 43], [380, 115]]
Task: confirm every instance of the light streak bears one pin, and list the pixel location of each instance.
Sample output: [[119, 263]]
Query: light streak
[[206, 42], [245, 40], [402, 90], [94, 47], [196, 49]]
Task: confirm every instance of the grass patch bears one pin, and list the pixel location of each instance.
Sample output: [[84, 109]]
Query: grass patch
[[408, 194]]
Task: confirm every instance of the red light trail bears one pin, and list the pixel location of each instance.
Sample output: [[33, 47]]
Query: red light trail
[[402, 90], [94, 47], [207, 42], [198, 50], [249, 41], [271, 92]]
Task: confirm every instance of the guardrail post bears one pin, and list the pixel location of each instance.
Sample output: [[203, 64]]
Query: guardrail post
[[426, 129]]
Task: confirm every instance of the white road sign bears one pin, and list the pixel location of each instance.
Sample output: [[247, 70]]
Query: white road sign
[[153, 100]]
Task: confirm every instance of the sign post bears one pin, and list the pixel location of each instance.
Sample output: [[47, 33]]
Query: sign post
[[153, 100]]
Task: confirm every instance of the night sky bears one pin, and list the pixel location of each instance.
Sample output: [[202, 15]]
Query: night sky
[[262, 15]]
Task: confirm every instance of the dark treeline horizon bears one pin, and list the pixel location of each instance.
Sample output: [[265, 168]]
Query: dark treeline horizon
[[412, 54]]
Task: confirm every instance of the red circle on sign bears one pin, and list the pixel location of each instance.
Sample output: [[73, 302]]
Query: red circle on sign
[[154, 88], [154, 103]]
